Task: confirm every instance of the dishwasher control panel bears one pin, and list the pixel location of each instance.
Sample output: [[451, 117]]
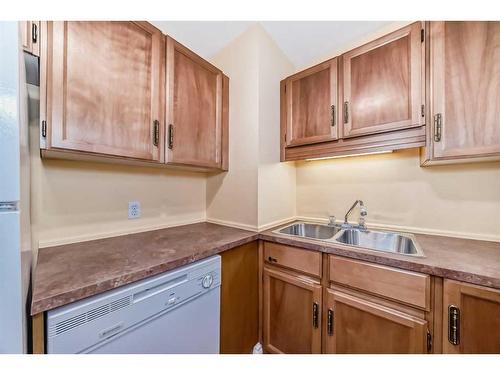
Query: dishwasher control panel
[[75, 327]]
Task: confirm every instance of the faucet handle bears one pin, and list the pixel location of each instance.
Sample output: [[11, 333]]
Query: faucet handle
[[331, 220]]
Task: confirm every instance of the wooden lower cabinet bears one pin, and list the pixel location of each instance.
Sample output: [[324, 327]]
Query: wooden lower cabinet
[[358, 326], [292, 312], [239, 307], [471, 318]]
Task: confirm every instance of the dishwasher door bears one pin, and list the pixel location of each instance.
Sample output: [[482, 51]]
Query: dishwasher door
[[192, 328], [174, 312]]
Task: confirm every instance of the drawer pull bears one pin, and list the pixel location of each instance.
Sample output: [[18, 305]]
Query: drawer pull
[[272, 260]]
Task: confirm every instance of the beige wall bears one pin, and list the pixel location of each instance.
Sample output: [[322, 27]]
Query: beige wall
[[76, 201], [458, 200], [258, 191], [232, 196], [276, 191]]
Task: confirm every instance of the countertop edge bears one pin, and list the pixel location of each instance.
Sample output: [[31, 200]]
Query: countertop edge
[[47, 303], [366, 255]]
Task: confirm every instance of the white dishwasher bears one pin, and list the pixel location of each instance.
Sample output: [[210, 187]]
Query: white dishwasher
[[174, 312]]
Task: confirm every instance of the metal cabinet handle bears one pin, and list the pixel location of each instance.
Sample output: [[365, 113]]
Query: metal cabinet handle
[[453, 324], [34, 32], [156, 132], [170, 136], [272, 260], [329, 326], [346, 112], [438, 124], [333, 115], [315, 314]]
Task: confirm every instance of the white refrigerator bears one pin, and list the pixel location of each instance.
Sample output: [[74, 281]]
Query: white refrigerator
[[12, 115]]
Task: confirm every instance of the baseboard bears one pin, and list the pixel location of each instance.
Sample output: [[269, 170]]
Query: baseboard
[[233, 224], [252, 228], [276, 223], [122, 232], [401, 228]]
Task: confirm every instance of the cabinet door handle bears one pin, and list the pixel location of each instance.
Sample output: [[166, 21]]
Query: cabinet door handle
[[346, 112], [453, 324], [329, 329], [34, 32], [272, 260], [333, 115], [156, 132], [438, 124], [315, 314], [170, 136]]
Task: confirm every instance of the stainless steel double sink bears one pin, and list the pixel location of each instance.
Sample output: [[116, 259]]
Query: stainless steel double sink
[[389, 242]]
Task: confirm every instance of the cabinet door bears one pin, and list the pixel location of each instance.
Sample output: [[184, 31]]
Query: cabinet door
[[465, 89], [355, 325], [471, 318], [292, 316], [311, 101], [104, 88], [194, 108], [383, 84]]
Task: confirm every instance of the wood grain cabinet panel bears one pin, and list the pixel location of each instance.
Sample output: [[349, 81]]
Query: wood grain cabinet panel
[[408, 287], [465, 91], [311, 99], [301, 260], [358, 326], [476, 325], [291, 313], [105, 88], [194, 109], [383, 84], [239, 314]]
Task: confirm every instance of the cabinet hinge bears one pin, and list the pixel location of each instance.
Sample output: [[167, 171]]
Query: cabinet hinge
[[34, 32], [44, 129], [429, 342], [422, 35], [422, 110], [170, 136]]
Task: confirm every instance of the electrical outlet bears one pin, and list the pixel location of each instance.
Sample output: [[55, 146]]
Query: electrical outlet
[[134, 210]]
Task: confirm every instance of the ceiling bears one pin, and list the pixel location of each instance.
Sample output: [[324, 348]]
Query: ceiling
[[303, 42]]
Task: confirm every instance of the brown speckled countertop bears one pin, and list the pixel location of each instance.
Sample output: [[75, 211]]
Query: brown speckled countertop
[[472, 261], [68, 273]]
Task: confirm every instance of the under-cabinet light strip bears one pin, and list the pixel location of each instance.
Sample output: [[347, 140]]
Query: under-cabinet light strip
[[350, 155]]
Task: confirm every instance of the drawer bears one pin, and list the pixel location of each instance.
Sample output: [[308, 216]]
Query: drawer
[[411, 288], [291, 257]]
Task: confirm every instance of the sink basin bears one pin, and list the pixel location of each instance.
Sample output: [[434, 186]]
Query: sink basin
[[314, 231], [390, 242]]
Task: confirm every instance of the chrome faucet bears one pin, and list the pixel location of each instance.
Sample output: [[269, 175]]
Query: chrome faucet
[[362, 213]]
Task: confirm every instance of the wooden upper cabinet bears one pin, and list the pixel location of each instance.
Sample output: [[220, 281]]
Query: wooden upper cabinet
[[291, 312], [471, 318], [30, 36], [383, 84], [358, 326], [311, 101], [465, 90], [194, 109], [105, 88]]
